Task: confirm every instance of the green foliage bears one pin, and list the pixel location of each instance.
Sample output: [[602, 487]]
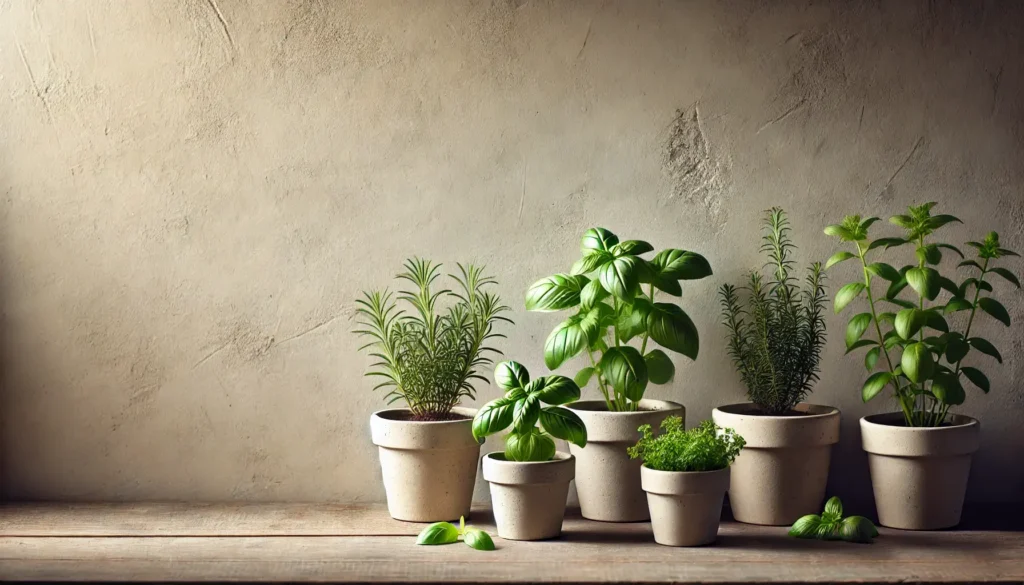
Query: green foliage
[[919, 353], [612, 290], [705, 448], [430, 357], [446, 533], [776, 336], [521, 408], [831, 525]]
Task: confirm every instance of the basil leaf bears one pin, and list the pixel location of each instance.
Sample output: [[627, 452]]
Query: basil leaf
[[806, 527], [478, 539], [438, 533]]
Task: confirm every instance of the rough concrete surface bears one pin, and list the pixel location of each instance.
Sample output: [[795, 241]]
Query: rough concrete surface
[[195, 191]]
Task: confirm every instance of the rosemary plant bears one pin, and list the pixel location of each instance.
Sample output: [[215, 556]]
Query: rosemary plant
[[430, 357], [776, 337], [911, 359]]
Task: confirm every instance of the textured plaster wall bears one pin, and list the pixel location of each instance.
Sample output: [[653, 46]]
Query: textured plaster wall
[[194, 191]]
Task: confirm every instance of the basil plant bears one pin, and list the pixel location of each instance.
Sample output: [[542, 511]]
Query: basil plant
[[521, 409], [920, 355], [612, 292]]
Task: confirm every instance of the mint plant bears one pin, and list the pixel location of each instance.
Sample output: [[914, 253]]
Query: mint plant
[[831, 525], [921, 356], [446, 533], [612, 290], [521, 409], [776, 335], [705, 448]]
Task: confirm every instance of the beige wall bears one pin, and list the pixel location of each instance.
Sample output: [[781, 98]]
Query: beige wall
[[194, 192]]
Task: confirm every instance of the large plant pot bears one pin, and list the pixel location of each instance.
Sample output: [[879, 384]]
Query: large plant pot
[[429, 467], [780, 474], [607, 480], [686, 507], [528, 497], [919, 474]]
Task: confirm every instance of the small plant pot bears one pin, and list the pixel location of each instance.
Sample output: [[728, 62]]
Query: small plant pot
[[686, 507], [528, 497], [781, 473], [429, 467], [919, 474], [607, 480]]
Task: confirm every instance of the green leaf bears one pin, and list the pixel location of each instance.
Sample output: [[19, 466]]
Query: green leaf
[[956, 349], [591, 294], [883, 270], [833, 510], [934, 319], [1007, 275], [970, 263], [937, 221], [632, 247], [668, 285], [957, 304], [681, 265], [952, 248], [994, 308], [985, 347], [493, 417], [837, 231], [874, 385], [529, 446], [846, 295], [526, 410], [947, 389], [856, 328], [930, 254], [909, 322], [857, 529], [620, 277], [806, 526], [554, 389], [949, 286], [976, 377], [887, 242], [632, 320], [566, 341], [438, 533], [564, 424], [554, 293], [837, 258], [598, 239], [860, 343], [478, 539], [918, 363], [672, 328], [590, 262], [904, 221], [509, 375], [624, 368], [871, 358], [583, 376], [660, 368], [925, 281]]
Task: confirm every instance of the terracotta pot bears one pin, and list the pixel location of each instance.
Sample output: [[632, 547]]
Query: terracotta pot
[[429, 467], [607, 480], [686, 507], [528, 497], [780, 474], [919, 474]]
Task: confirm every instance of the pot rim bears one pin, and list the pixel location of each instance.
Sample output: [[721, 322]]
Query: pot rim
[[561, 469], [686, 473], [969, 421], [463, 410], [730, 409], [668, 406]]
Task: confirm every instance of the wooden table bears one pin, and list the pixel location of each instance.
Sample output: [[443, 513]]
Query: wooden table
[[335, 543]]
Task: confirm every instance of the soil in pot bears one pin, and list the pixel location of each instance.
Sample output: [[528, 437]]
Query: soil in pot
[[781, 473], [919, 474], [528, 497], [428, 467], [686, 507], [607, 480]]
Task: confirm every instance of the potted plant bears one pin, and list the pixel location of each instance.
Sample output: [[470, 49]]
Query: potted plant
[[530, 479], [429, 359], [686, 474], [612, 292], [920, 457], [776, 333]]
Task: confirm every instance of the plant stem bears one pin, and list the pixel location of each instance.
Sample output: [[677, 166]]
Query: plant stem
[[600, 381], [643, 344]]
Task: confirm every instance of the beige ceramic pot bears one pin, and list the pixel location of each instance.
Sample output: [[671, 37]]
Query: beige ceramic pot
[[780, 474], [607, 480], [528, 497], [429, 467], [919, 474], [686, 507]]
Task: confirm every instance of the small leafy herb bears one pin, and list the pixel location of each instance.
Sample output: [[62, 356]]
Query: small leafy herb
[[521, 409], [705, 448], [832, 526], [447, 533]]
